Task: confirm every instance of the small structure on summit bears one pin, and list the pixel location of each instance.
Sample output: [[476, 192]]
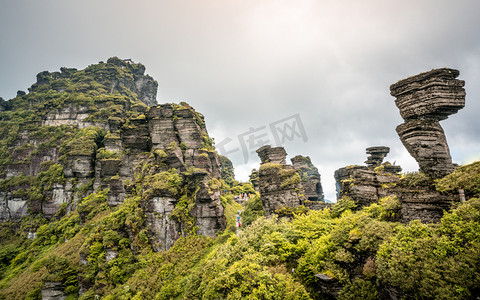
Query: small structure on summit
[[423, 101]]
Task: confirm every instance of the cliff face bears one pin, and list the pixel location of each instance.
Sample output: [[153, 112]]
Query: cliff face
[[77, 132]]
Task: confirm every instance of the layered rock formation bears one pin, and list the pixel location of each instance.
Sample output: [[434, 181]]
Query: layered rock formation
[[377, 154], [423, 101], [53, 291], [310, 177], [276, 155], [77, 132], [367, 184], [111, 76], [278, 183], [283, 188], [416, 193]]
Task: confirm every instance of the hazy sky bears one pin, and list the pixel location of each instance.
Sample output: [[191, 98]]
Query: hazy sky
[[247, 65]]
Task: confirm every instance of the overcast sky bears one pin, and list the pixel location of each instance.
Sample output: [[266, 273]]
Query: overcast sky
[[250, 65]]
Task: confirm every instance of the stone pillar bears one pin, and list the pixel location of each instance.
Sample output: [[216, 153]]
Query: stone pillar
[[423, 101], [377, 154], [276, 155]]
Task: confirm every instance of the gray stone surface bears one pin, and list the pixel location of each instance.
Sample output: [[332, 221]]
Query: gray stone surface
[[52, 290], [377, 154], [276, 155], [423, 101], [425, 140], [274, 181], [311, 180], [367, 184]]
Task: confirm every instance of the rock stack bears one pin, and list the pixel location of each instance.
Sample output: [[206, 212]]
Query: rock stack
[[377, 154], [283, 188], [276, 155], [423, 101], [278, 183], [367, 184], [309, 176]]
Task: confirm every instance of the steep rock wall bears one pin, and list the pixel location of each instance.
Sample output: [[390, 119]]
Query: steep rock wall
[[77, 132]]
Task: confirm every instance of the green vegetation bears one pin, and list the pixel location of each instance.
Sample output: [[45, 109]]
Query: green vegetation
[[269, 258], [465, 177], [253, 210], [416, 179], [227, 171]]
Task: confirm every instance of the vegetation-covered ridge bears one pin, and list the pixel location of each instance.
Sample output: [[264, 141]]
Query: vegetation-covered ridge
[[105, 251]]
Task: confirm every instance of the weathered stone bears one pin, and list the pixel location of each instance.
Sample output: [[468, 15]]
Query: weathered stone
[[161, 126], [54, 199], [208, 209], [69, 115], [113, 143], [310, 177], [109, 167], [327, 286], [188, 132], [435, 94], [165, 230], [377, 154], [423, 101], [278, 184], [276, 155], [52, 290], [143, 85], [426, 142], [366, 185], [276, 199], [316, 205], [423, 203], [11, 207], [136, 136], [283, 188], [254, 179], [79, 166], [110, 254]]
